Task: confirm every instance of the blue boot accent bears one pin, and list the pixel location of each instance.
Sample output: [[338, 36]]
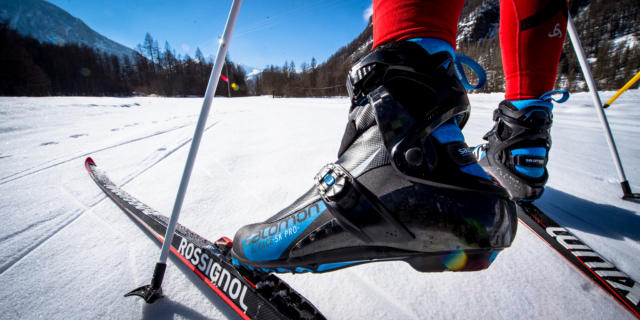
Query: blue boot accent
[[336, 265], [271, 241], [448, 133], [522, 104], [549, 96], [462, 60], [476, 170], [534, 172], [435, 45], [544, 100], [494, 256]]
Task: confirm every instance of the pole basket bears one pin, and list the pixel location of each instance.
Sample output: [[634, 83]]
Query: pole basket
[[153, 291], [627, 194]]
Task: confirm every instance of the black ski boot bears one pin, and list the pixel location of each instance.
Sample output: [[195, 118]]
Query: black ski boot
[[517, 150], [405, 185]]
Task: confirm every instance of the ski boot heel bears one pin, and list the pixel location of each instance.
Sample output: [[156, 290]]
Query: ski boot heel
[[458, 260]]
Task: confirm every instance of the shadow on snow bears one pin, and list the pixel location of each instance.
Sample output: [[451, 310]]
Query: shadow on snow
[[595, 218]]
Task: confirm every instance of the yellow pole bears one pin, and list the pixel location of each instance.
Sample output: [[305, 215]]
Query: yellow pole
[[622, 90]]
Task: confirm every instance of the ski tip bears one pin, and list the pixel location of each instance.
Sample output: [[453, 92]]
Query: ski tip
[[88, 162]]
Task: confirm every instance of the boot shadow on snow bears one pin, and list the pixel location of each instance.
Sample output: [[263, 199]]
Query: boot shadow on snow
[[596, 218]]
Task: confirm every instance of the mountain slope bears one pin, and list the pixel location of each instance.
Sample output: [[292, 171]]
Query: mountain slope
[[609, 32], [48, 23]]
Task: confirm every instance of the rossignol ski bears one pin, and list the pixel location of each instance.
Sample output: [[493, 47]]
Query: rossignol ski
[[251, 294], [615, 282]]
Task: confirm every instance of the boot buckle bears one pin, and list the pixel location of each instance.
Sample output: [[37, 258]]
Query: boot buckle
[[332, 181]]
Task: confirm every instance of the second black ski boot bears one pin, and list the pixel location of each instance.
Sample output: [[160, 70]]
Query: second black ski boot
[[517, 150], [405, 185]]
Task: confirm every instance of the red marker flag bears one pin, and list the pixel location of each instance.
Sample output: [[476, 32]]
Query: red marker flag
[[225, 79]]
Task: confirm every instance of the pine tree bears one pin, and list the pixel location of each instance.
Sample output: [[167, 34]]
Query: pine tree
[[148, 50]]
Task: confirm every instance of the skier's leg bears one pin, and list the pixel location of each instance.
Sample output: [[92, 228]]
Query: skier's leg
[[405, 186], [531, 38], [410, 19]]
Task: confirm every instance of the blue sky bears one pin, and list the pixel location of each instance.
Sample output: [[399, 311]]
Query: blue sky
[[267, 31]]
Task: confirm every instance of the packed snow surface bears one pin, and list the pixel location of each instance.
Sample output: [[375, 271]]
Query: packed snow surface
[[68, 252]]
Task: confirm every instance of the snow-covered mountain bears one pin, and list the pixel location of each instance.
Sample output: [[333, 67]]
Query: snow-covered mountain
[[609, 32], [253, 73], [48, 23], [250, 71], [479, 21]]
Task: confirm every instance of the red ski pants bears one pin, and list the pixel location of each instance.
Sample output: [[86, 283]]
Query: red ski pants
[[531, 35]]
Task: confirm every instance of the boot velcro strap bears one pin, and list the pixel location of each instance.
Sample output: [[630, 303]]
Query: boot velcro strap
[[512, 119]]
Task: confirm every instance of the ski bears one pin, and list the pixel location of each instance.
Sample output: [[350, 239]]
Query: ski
[[615, 282], [252, 294]]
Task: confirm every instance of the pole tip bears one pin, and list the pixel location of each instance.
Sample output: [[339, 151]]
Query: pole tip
[[148, 293]]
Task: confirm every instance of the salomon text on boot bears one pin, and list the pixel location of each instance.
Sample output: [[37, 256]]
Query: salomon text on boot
[[405, 185]]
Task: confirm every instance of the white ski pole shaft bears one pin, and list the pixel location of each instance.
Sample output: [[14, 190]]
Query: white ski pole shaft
[[588, 76], [202, 121]]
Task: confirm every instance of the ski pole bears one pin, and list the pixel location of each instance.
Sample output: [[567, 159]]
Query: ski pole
[[588, 76], [622, 90], [153, 291]]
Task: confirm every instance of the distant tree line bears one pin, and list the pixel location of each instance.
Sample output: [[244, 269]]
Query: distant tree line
[[166, 73], [601, 25], [286, 81], [31, 68], [313, 80]]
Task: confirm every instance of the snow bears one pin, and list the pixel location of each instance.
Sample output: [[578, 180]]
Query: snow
[[253, 73], [629, 41], [67, 252]]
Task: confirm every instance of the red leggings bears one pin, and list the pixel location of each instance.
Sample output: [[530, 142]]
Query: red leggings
[[531, 35]]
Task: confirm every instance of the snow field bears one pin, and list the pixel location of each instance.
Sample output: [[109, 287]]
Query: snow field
[[67, 252]]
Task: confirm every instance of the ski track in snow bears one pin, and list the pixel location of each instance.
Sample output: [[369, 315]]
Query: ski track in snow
[[46, 235], [16, 258], [29, 227], [35, 243], [269, 149], [164, 156], [37, 169]]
